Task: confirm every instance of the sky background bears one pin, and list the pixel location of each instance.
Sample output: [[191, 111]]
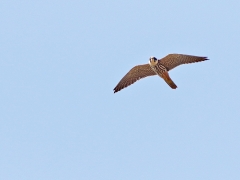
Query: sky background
[[59, 117]]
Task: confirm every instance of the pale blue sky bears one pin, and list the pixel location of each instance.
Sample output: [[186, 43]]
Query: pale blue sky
[[60, 119]]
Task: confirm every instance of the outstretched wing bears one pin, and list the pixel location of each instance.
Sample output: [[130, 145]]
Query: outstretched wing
[[136, 73], [173, 60]]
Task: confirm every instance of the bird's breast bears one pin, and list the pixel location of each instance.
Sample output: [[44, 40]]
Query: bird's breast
[[158, 69]]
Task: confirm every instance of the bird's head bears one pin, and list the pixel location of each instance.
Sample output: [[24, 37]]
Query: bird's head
[[153, 61]]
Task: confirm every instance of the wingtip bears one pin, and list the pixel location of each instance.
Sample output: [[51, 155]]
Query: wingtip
[[115, 90]]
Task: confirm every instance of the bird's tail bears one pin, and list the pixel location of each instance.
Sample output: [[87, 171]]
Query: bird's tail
[[168, 80]]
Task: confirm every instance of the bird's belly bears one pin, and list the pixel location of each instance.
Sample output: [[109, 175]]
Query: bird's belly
[[154, 69]]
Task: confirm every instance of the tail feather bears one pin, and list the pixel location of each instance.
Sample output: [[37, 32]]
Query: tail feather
[[171, 84], [168, 80]]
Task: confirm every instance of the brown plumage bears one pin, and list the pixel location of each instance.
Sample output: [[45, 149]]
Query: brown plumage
[[157, 67], [136, 73], [173, 60], [168, 80]]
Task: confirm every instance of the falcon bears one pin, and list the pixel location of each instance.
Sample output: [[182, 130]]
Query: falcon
[[158, 67]]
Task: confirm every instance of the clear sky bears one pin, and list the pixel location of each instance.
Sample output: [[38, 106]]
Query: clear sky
[[59, 117]]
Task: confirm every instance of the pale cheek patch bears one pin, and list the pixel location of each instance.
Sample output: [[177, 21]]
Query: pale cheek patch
[[153, 63]]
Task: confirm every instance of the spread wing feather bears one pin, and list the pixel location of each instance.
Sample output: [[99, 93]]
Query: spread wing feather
[[136, 73], [173, 60]]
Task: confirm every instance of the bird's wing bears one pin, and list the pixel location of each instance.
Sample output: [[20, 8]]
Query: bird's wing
[[136, 73], [173, 60]]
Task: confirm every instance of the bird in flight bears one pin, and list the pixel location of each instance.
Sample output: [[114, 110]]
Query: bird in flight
[[157, 67]]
